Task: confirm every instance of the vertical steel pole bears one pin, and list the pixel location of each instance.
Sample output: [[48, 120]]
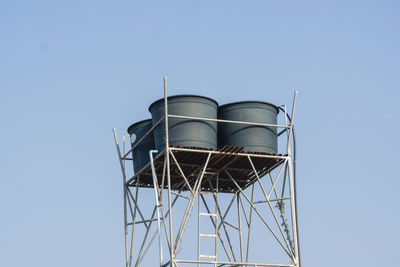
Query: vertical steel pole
[[216, 219], [124, 192], [198, 226], [240, 226], [293, 200], [294, 215], [168, 170], [250, 220], [134, 215], [155, 184]]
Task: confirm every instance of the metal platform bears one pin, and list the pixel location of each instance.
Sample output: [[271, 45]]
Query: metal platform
[[189, 162]]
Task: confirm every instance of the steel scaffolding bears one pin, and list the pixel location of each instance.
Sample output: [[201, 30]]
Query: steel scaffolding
[[262, 185]]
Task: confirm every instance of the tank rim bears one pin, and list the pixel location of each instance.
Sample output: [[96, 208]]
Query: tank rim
[[136, 123], [250, 101], [183, 95]]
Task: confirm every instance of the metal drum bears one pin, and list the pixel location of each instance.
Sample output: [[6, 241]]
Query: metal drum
[[185, 132], [141, 152], [252, 138]]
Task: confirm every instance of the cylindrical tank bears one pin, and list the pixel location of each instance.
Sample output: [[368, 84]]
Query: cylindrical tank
[[252, 138], [141, 152], [185, 132]]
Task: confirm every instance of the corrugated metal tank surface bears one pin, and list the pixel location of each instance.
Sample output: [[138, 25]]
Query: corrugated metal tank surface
[[141, 152], [252, 138], [184, 132]]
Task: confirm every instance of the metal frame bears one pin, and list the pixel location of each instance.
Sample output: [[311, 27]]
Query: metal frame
[[232, 241]]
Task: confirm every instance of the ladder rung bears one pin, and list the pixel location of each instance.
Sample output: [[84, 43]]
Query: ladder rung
[[208, 214], [209, 235], [207, 256]]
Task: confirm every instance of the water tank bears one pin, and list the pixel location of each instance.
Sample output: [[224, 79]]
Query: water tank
[[141, 152], [252, 138], [185, 132]]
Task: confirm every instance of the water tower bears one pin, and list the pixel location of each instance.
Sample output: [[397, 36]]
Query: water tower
[[211, 186]]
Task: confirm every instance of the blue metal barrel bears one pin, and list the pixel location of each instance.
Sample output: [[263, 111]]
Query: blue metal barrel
[[185, 132], [141, 152], [252, 138]]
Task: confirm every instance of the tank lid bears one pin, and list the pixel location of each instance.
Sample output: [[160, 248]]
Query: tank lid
[[251, 101], [136, 123], [184, 95]]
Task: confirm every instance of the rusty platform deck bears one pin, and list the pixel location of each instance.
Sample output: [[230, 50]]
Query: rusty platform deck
[[191, 161]]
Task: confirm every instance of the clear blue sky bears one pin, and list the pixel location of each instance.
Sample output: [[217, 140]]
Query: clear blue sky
[[72, 70]]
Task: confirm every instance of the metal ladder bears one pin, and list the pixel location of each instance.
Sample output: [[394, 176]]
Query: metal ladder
[[214, 220]]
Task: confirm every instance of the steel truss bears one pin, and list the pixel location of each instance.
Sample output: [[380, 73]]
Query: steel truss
[[234, 190]]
